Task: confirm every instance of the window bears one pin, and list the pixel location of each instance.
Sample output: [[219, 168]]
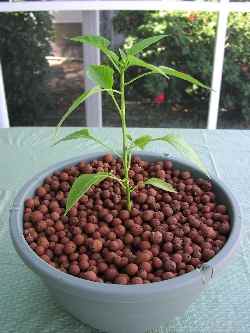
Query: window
[[216, 106]]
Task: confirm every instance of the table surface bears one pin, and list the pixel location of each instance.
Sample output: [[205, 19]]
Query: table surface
[[25, 304]]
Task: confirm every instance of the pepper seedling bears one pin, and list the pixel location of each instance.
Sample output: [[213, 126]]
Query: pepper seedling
[[103, 77]]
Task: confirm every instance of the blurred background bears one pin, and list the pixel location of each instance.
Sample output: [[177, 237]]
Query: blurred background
[[43, 70]]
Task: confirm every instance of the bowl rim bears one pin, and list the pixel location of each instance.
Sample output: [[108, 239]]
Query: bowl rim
[[121, 292]]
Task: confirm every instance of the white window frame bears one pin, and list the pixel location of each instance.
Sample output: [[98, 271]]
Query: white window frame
[[91, 25]]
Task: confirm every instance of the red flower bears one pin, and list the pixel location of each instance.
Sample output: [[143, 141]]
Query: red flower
[[159, 99], [192, 17]]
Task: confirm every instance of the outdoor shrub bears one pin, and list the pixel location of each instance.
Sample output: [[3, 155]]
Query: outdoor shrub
[[189, 46], [24, 43]]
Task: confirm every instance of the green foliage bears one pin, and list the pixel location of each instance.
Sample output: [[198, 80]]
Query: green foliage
[[140, 46], [142, 141], [96, 41], [189, 46], [77, 102], [100, 43], [24, 43], [161, 184], [81, 185], [85, 134], [177, 142], [185, 149], [102, 75], [81, 134], [134, 61]]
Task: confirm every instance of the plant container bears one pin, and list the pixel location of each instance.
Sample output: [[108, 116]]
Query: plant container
[[124, 308]]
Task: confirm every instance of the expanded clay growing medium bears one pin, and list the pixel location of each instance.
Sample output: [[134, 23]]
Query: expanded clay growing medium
[[163, 236]]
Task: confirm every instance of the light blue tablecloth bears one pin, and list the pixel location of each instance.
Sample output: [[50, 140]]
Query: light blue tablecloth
[[25, 305]]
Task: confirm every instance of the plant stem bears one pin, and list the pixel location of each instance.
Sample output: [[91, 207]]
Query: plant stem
[[124, 140]]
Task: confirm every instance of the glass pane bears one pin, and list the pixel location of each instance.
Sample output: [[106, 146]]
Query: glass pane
[[235, 95], [43, 70], [189, 46]]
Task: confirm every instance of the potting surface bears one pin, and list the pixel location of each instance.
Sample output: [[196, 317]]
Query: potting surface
[[25, 304]]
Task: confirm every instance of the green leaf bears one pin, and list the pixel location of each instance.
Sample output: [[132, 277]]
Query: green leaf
[[141, 45], [172, 72], [142, 141], [101, 75], [111, 55], [178, 143], [100, 43], [81, 134], [122, 54], [77, 102], [81, 185], [157, 182], [96, 41], [184, 148], [134, 61], [129, 136], [85, 134]]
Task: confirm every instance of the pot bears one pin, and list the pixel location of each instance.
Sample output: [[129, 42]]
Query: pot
[[120, 308]]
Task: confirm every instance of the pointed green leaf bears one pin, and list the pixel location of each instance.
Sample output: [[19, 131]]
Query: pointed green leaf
[[172, 72], [122, 54], [96, 41], [101, 75], [134, 61], [100, 43], [81, 185], [142, 44], [184, 148], [142, 141], [111, 54], [85, 134], [159, 183], [77, 102], [81, 134], [129, 136]]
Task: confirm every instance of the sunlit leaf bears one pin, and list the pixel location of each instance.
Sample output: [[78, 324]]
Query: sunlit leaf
[[129, 136], [101, 75], [85, 134], [81, 185], [77, 102], [122, 54], [142, 44], [142, 141], [96, 41], [184, 148], [81, 134], [159, 183], [186, 77], [134, 61], [100, 43], [178, 143], [111, 54]]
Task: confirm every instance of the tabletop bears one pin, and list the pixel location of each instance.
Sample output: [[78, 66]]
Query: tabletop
[[25, 304]]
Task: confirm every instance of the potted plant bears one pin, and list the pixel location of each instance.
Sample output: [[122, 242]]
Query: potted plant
[[125, 242]]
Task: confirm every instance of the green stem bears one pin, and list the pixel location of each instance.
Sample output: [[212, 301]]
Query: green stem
[[116, 104], [124, 140]]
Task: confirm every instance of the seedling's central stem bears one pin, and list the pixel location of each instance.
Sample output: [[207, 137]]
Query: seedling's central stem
[[125, 140]]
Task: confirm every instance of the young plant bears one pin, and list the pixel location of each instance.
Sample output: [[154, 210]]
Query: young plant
[[103, 77]]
